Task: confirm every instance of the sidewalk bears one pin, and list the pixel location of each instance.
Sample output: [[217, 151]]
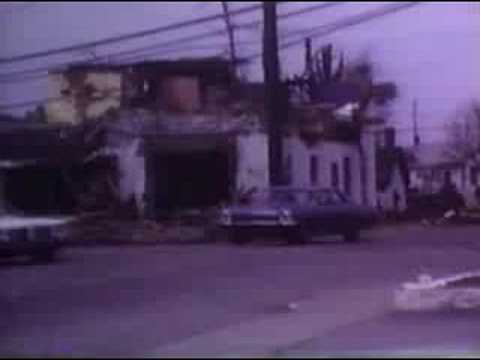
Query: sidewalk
[[274, 335]]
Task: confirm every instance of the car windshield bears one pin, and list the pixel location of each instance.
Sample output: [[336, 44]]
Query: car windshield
[[318, 197]]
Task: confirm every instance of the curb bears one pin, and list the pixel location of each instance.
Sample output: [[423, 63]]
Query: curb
[[125, 243]]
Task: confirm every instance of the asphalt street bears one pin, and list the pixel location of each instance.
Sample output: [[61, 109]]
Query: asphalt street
[[133, 301]]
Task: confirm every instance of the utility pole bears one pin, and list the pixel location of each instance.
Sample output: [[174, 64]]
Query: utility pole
[[416, 137], [273, 94], [231, 36]]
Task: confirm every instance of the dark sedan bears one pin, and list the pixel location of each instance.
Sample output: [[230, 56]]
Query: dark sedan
[[295, 214], [36, 237]]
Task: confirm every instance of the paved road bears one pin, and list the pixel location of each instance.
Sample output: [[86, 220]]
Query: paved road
[[130, 301]]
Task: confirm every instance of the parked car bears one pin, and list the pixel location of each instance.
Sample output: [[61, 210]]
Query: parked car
[[296, 214], [37, 237]]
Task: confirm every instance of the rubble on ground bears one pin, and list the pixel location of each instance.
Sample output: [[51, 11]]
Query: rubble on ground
[[461, 291], [107, 229]]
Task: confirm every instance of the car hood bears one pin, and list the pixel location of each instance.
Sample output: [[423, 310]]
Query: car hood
[[9, 222]]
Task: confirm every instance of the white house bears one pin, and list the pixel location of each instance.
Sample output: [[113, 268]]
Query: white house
[[325, 150], [431, 167]]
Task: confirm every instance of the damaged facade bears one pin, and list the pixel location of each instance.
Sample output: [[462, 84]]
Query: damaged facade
[[180, 135], [186, 135], [330, 138]]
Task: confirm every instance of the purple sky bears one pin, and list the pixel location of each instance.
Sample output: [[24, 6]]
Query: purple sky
[[431, 51]]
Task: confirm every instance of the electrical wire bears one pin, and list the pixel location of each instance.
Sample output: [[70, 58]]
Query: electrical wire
[[23, 74], [125, 37]]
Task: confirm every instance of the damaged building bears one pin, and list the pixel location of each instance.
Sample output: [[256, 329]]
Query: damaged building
[[325, 149], [179, 133], [333, 127], [186, 135]]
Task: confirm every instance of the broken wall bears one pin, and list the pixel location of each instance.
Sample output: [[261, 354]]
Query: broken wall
[[82, 96], [252, 161], [130, 162]]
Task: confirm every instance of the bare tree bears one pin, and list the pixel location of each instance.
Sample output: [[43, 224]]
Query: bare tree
[[463, 134]]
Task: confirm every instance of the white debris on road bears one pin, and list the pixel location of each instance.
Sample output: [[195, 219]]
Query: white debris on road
[[461, 291], [293, 306]]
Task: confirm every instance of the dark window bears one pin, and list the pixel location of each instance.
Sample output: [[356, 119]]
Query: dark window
[[447, 178], [313, 169], [474, 176], [288, 169], [347, 175], [334, 175]]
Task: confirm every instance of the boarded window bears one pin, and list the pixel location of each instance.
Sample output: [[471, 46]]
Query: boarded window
[[313, 170], [181, 94], [334, 175], [347, 175]]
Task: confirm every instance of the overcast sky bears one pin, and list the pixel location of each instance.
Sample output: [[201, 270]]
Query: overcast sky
[[432, 51]]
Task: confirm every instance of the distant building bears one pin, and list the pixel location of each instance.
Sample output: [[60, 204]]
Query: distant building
[[431, 168]]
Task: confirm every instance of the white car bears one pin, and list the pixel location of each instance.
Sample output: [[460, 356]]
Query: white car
[[460, 291]]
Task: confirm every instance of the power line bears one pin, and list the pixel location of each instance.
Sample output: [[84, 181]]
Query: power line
[[342, 24], [310, 9], [23, 76], [325, 30], [352, 21], [6, 77], [107, 57], [247, 25], [21, 8], [125, 37]]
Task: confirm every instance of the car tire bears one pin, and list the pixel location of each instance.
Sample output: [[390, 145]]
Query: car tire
[[238, 237], [351, 236], [296, 236], [45, 256]]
